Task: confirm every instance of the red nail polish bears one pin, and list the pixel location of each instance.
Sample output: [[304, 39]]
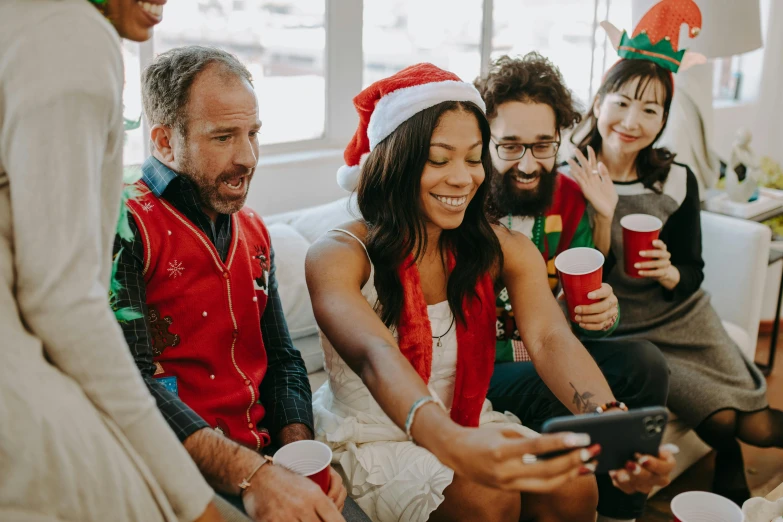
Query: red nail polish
[[630, 466], [594, 450], [585, 471]]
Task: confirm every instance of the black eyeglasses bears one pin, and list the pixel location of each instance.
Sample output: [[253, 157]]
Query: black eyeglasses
[[515, 151]]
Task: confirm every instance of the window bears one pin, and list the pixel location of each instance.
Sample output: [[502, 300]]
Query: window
[[306, 73], [399, 33], [133, 153], [281, 42], [563, 31]]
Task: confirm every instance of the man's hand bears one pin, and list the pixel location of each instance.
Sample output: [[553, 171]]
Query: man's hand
[[337, 491], [601, 315], [279, 495]]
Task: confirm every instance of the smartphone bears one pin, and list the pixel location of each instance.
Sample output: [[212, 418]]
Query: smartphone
[[620, 434]]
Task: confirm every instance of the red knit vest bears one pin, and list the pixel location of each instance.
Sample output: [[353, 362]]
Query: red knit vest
[[205, 314]]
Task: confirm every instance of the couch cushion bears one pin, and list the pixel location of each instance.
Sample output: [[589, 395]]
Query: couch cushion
[[290, 251], [310, 348], [313, 222]]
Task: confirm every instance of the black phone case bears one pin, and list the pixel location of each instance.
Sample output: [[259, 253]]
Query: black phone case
[[620, 435]]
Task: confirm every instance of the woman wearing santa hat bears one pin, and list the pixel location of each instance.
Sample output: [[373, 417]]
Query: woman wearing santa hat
[[405, 298]]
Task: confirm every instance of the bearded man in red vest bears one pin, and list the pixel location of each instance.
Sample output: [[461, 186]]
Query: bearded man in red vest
[[213, 345]]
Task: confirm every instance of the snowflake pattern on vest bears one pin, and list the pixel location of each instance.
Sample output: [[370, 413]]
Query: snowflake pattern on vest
[[262, 282], [175, 269]]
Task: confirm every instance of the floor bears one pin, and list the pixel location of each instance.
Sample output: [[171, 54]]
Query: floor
[[764, 467]]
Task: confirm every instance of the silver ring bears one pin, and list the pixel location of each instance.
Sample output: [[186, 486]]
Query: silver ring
[[596, 172], [527, 458]]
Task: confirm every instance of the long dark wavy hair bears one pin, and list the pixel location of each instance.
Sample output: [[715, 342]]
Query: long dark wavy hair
[[652, 163], [389, 200]]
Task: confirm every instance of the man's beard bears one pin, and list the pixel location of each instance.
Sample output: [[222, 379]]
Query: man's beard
[[208, 191], [506, 198]]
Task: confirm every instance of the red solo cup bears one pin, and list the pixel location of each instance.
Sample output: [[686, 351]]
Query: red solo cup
[[700, 506], [308, 458], [581, 272], [639, 232]]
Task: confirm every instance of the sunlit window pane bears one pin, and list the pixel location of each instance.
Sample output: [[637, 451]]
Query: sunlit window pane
[[281, 42], [133, 153], [398, 33]]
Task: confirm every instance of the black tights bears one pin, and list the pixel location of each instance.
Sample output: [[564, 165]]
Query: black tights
[[721, 430]]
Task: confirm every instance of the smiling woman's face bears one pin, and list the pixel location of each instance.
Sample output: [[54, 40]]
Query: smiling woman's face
[[134, 19], [454, 171], [629, 121]]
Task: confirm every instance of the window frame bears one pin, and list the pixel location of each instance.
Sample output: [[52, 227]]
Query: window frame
[[344, 69]]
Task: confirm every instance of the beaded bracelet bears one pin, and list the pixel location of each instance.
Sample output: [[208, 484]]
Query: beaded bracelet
[[610, 405], [415, 408]]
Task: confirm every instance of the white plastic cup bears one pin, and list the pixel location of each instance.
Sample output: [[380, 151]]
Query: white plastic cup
[[308, 458], [701, 506]]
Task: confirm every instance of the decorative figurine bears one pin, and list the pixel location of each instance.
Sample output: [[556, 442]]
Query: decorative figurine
[[743, 172]]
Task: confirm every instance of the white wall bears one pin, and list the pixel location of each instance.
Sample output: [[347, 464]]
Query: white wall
[[294, 181]]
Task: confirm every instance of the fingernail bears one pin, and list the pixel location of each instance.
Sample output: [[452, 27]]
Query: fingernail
[[576, 440], [590, 453], [587, 469], [644, 461], [637, 265], [622, 476], [578, 309], [633, 468], [671, 448], [578, 318], [591, 295]]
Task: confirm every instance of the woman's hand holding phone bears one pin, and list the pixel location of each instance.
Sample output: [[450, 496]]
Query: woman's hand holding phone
[[500, 457], [647, 472]]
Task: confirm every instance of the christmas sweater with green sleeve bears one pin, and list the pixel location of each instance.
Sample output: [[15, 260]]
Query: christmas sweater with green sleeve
[[564, 225]]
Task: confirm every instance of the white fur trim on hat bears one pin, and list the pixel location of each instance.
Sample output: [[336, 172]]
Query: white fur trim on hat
[[398, 106], [348, 176]]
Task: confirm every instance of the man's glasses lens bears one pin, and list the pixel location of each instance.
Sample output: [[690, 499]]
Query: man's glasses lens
[[513, 151]]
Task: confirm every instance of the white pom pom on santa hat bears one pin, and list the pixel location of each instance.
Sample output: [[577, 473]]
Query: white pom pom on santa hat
[[387, 103]]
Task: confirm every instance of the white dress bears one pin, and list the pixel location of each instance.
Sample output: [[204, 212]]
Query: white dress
[[388, 476]]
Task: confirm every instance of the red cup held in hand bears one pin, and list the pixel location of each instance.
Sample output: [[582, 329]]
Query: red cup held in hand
[[308, 458], [700, 506], [639, 232], [581, 272]]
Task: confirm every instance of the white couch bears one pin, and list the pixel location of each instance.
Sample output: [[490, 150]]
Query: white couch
[[735, 253]]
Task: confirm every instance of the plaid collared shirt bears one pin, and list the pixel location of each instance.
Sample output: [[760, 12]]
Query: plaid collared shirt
[[285, 390]]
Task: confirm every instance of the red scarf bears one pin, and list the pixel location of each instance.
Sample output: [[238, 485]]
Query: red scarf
[[475, 341]]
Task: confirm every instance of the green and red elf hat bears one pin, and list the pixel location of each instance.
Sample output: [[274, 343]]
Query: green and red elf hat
[[656, 37]]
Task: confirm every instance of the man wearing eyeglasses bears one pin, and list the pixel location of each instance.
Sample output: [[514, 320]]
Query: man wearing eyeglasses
[[528, 107]]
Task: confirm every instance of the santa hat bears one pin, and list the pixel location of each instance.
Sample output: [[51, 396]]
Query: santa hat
[[387, 103], [656, 37]]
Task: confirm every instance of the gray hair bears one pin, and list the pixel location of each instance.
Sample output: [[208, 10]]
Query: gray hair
[[166, 82]]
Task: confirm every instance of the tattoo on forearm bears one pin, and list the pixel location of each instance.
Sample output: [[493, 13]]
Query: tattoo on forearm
[[582, 400]]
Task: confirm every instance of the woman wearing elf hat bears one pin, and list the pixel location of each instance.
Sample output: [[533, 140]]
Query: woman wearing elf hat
[[81, 438], [405, 299], [713, 386]]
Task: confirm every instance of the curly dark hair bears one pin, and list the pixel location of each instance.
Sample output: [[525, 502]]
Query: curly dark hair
[[530, 78]]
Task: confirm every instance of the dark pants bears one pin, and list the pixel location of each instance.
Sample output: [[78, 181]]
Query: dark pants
[[638, 376]]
